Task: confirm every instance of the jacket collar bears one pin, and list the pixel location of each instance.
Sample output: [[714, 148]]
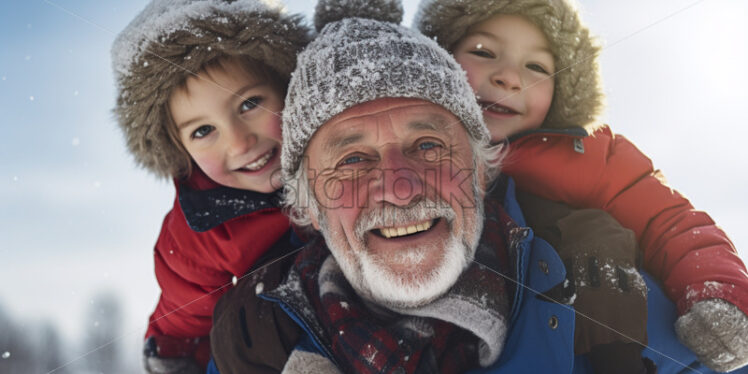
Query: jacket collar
[[576, 132], [205, 208]]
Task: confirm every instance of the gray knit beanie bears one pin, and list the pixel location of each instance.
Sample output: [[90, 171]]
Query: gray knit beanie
[[578, 98], [355, 60], [171, 40]]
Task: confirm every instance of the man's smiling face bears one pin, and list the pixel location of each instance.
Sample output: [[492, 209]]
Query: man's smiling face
[[397, 198]]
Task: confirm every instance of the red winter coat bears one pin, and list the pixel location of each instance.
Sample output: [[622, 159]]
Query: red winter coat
[[212, 234], [681, 246]]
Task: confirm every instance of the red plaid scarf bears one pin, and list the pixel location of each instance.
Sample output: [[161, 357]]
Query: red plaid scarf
[[362, 340]]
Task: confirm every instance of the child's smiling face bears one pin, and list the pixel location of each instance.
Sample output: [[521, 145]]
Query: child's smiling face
[[229, 122], [509, 66]]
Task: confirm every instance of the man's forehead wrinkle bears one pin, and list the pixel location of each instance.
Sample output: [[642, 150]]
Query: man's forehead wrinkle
[[343, 133], [340, 141], [433, 122]]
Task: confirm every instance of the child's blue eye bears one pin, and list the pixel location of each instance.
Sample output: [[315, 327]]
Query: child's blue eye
[[482, 53], [202, 131], [249, 104], [537, 68]]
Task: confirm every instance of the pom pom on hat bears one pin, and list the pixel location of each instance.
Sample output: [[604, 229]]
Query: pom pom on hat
[[329, 11]]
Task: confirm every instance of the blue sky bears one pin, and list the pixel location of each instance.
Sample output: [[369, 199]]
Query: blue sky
[[78, 217]]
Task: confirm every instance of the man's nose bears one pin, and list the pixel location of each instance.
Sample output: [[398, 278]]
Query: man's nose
[[400, 182], [507, 77]]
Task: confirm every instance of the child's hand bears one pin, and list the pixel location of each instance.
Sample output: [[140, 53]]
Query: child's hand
[[160, 365], [168, 355], [717, 332]]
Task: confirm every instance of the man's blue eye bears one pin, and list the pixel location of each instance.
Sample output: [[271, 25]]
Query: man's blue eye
[[202, 131], [425, 146], [249, 104], [352, 160]]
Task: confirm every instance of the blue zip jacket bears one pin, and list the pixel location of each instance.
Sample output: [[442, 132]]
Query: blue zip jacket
[[541, 335]]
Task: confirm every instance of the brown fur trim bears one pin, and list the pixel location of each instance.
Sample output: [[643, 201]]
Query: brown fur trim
[[169, 59], [578, 96]]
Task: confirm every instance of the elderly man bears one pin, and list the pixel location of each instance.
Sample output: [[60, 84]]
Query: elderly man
[[423, 264]]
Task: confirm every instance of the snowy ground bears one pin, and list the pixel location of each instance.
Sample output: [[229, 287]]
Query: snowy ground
[[79, 220]]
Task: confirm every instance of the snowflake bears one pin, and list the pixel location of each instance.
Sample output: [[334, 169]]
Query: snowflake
[[370, 353]]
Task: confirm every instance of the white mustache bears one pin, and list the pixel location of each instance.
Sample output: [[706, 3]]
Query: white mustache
[[389, 215]]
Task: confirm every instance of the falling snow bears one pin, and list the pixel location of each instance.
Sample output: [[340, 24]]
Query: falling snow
[[6, 355], [369, 353], [15, 179], [162, 18], [3, 77], [75, 93], [75, 142], [28, 58], [31, 98]]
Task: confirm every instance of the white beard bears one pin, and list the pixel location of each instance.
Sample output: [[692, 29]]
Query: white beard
[[370, 277], [389, 288]]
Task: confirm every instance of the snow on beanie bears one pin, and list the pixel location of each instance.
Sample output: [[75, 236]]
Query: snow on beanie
[[363, 54], [171, 40], [578, 97]]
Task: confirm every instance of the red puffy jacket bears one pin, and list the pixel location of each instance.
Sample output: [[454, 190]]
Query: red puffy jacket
[[682, 247], [212, 234]]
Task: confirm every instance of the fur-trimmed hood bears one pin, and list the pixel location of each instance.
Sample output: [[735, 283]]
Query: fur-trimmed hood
[[578, 98], [172, 39]]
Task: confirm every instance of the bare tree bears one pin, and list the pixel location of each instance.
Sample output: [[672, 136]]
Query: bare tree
[[104, 326], [15, 351], [49, 350]]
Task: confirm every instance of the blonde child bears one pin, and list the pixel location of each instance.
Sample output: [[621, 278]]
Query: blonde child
[[200, 88], [533, 66]]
